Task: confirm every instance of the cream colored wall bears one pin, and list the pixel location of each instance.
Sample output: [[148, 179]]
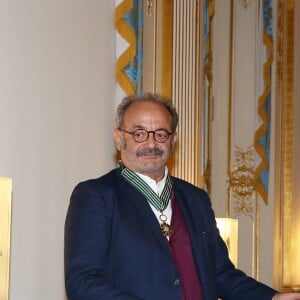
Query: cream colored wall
[[56, 118]]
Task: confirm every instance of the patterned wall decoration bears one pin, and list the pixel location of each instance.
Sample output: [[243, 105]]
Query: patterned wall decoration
[[129, 65], [263, 133]]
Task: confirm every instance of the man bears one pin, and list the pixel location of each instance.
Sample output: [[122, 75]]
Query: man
[[138, 233]]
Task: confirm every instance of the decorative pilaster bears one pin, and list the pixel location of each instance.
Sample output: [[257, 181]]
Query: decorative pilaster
[[185, 89]]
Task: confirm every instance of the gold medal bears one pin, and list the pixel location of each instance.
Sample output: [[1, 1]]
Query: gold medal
[[164, 226], [166, 229]]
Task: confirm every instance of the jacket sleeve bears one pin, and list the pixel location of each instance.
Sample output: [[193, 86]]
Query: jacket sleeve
[[232, 283], [87, 239]]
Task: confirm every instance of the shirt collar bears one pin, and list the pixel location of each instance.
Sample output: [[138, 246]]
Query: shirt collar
[[157, 187]]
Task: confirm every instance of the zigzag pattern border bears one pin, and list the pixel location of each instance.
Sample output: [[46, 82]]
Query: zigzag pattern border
[[262, 131], [128, 55]]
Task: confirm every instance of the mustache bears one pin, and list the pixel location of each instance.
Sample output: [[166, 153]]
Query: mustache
[[146, 151]]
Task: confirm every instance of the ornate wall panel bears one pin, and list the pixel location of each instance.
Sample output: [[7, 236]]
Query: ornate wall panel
[[233, 110], [234, 56]]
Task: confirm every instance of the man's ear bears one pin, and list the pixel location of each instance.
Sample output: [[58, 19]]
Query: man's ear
[[117, 138]]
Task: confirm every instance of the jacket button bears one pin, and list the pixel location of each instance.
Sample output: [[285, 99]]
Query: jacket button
[[176, 282]]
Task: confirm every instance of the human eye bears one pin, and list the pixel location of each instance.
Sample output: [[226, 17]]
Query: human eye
[[140, 133], [161, 134]]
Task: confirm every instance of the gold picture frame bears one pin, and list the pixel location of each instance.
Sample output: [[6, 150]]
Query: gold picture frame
[[5, 224]]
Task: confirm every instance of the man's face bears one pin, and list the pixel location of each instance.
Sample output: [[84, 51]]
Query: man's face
[[140, 157]]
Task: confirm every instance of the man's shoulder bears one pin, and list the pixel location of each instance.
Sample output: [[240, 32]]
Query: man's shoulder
[[184, 186], [183, 183], [189, 193], [105, 180]]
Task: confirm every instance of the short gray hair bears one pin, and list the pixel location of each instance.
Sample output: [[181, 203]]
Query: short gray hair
[[155, 98]]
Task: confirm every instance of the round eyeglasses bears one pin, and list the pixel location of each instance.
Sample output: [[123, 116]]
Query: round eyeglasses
[[142, 135]]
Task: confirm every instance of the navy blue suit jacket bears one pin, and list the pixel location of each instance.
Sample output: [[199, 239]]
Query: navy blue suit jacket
[[114, 248]]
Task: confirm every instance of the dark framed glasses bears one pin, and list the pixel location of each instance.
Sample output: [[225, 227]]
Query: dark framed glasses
[[142, 135]]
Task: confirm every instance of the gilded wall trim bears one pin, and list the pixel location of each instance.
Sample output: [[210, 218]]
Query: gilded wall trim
[[244, 198], [230, 100], [286, 277], [245, 3], [207, 113], [149, 8]]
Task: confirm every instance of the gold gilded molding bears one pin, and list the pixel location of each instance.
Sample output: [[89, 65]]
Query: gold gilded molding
[[230, 99], [149, 8], [158, 47], [167, 48], [5, 221], [286, 244], [208, 78], [245, 3], [242, 181], [243, 196]]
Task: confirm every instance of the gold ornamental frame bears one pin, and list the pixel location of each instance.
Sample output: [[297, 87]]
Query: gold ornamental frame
[[286, 239], [5, 222]]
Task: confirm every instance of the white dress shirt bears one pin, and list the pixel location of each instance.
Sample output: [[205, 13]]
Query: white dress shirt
[[158, 187]]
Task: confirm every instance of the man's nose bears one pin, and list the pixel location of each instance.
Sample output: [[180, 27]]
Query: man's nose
[[151, 138]]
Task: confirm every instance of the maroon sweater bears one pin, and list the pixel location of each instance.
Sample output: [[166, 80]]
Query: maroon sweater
[[181, 251]]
